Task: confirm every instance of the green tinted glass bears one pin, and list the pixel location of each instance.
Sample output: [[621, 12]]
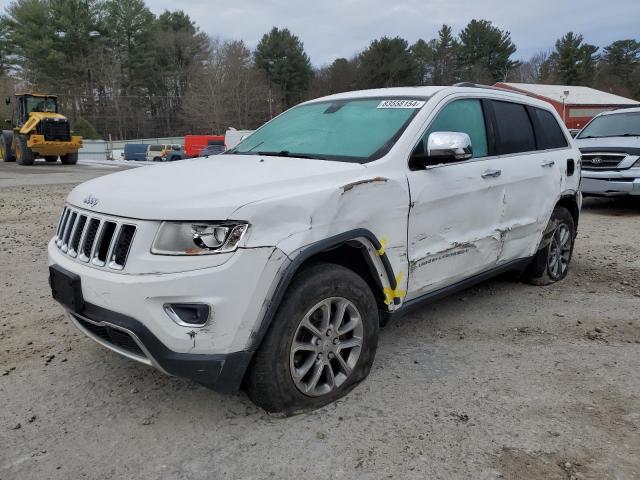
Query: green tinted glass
[[355, 130], [463, 116]]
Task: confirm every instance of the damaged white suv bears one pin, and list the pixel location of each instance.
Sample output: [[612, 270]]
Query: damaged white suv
[[272, 266]]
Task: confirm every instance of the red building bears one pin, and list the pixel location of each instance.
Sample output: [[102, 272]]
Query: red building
[[576, 105]]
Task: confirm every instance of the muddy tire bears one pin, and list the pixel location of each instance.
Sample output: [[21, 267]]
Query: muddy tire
[[551, 263], [5, 147], [24, 155], [320, 345], [69, 158], [51, 158]]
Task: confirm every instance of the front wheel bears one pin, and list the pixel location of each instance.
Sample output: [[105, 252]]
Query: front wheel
[[24, 155], [551, 263], [321, 343]]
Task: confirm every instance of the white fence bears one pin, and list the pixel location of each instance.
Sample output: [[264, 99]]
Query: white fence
[[99, 150]]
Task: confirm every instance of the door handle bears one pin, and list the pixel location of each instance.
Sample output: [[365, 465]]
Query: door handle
[[491, 173], [548, 163]]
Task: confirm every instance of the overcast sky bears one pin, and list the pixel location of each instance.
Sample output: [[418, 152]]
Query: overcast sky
[[339, 28]]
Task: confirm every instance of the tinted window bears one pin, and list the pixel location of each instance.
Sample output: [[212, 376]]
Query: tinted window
[[513, 128], [550, 134], [463, 116]]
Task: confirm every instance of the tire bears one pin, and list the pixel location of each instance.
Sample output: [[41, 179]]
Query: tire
[[24, 155], [69, 158], [551, 263], [5, 145], [270, 381], [157, 159], [51, 158]]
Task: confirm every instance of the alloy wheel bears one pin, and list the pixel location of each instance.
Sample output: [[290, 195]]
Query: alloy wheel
[[559, 252], [326, 346]]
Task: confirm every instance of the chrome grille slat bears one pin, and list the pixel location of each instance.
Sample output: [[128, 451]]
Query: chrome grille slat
[[602, 161], [67, 231], [102, 241]]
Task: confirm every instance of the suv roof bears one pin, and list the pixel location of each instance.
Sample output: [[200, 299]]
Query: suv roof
[[429, 91]]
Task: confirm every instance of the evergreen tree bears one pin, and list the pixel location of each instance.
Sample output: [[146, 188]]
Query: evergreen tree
[[281, 56], [485, 52], [573, 62], [387, 62]]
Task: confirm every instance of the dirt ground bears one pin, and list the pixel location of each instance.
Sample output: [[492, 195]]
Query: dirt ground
[[504, 380]]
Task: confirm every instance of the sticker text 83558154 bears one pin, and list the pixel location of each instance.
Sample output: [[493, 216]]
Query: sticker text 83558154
[[401, 104]]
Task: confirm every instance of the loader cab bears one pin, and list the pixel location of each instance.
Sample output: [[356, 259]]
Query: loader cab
[[27, 103]]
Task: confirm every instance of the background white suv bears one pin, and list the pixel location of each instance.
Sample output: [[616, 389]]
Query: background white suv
[[610, 146], [273, 265]]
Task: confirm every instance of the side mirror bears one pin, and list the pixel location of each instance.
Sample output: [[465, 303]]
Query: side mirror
[[7, 100], [442, 147]]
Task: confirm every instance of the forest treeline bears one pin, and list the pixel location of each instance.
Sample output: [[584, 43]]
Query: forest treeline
[[121, 71]]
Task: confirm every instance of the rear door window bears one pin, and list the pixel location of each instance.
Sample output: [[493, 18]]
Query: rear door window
[[514, 131], [550, 134], [464, 116]]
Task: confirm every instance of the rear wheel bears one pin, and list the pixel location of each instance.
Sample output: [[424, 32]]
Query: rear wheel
[[320, 345], [51, 158], [5, 147], [24, 155], [69, 158], [551, 263]]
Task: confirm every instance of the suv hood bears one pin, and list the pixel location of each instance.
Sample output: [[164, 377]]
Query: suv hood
[[630, 145], [206, 188]]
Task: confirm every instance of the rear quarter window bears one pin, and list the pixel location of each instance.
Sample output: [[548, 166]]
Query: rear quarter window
[[514, 130], [550, 134]]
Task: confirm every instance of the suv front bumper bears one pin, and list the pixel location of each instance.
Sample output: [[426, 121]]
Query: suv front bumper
[[611, 182]]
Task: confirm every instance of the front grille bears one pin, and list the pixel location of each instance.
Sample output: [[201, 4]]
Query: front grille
[[112, 336], [55, 129], [601, 161], [91, 238]]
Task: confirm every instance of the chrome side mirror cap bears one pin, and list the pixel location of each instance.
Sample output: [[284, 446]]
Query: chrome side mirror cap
[[445, 147]]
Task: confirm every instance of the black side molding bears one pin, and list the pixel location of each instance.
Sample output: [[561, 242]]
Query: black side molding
[[305, 254]]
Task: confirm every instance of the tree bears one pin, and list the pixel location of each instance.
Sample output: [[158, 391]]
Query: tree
[[573, 62], [84, 128], [387, 62], [619, 67], [485, 52], [281, 56], [532, 70], [424, 55], [445, 57]]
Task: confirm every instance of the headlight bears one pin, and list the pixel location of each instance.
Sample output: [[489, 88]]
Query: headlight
[[198, 238]]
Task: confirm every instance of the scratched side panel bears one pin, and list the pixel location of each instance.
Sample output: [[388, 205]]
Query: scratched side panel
[[376, 199], [454, 224]]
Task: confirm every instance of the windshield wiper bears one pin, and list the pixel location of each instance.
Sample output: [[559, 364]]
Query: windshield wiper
[[287, 153]]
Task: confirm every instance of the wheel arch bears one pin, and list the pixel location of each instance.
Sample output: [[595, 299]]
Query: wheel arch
[[338, 249], [570, 201]]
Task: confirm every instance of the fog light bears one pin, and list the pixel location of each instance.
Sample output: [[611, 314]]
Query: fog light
[[188, 314]]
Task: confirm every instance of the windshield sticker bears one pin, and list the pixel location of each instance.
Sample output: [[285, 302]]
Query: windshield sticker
[[401, 104]]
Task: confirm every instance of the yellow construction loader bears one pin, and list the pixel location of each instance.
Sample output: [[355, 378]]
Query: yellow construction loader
[[38, 130]]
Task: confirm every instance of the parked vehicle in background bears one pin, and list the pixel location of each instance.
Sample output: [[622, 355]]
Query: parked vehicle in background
[[212, 150], [194, 144], [574, 132], [154, 153], [173, 153], [233, 137], [273, 265], [610, 146], [135, 151], [39, 130]]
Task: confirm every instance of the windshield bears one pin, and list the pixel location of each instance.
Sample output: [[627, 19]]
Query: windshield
[[356, 130], [613, 125], [41, 104]]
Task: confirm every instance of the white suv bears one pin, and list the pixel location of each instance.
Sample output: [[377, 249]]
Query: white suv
[[273, 266]]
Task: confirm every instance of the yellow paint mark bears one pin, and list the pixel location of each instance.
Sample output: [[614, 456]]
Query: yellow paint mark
[[391, 293], [383, 243]]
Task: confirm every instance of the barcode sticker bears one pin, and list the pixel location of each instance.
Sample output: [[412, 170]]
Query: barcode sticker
[[401, 104]]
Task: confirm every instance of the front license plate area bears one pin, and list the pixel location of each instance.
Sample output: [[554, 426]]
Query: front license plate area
[[66, 288]]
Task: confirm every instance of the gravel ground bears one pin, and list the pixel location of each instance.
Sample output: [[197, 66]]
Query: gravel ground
[[502, 381]]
